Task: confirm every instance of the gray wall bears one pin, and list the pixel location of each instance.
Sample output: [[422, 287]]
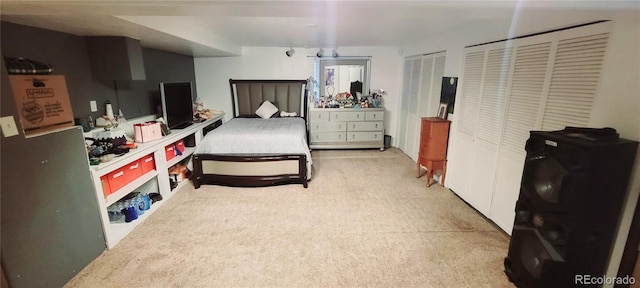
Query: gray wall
[[68, 55], [51, 227]]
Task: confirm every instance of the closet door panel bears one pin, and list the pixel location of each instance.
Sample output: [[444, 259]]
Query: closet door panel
[[526, 94], [574, 81], [483, 167], [458, 170], [494, 95], [465, 119], [470, 91], [425, 88], [404, 106], [507, 189], [413, 125]]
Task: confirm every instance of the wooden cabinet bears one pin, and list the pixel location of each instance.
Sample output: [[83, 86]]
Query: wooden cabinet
[[432, 156], [346, 128]]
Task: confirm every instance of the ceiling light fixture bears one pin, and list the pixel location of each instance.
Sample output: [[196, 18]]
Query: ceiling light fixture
[[320, 53], [290, 52]]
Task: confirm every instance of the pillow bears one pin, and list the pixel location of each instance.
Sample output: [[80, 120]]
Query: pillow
[[266, 110], [288, 114]]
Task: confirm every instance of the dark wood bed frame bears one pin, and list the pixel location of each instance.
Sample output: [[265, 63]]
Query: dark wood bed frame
[[282, 93]]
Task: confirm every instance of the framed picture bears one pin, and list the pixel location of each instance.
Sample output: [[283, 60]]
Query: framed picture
[[442, 111]]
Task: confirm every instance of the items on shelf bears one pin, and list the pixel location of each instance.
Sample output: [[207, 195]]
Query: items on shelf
[[130, 207]]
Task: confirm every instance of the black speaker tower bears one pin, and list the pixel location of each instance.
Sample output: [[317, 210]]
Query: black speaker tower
[[571, 194]]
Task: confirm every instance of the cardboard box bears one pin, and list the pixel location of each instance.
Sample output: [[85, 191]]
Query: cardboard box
[[148, 131], [42, 101]]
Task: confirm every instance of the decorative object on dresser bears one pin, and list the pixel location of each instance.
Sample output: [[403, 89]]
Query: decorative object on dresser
[[434, 136], [442, 111], [346, 128]]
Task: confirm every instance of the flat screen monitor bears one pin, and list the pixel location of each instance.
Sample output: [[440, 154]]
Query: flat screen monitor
[[177, 104]]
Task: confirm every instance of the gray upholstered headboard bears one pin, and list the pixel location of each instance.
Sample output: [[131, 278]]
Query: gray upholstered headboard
[[287, 95]]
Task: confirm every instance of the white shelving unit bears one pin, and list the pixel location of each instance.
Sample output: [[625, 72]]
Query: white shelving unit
[[156, 180]]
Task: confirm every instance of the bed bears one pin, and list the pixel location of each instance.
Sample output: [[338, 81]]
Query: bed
[[250, 151]]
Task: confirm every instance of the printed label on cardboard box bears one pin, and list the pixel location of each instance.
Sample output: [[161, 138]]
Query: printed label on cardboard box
[[42, 101]]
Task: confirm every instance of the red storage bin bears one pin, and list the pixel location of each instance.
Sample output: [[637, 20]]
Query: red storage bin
[[106, 189], [180, 145], [170, 152], [122, 176], [134, 170], [148, 163], [117, 179]]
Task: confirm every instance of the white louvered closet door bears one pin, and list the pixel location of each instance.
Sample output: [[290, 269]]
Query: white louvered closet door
[[485, 146], [465, 117], [528, 84], [420, 99], [574, 81], [555, 82], [404, 106], [412, 117]]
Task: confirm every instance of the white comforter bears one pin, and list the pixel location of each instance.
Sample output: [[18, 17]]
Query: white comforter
[[258, 136]]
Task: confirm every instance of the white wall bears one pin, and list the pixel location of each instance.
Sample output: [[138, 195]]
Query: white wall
[[617, 104], [212, 74]]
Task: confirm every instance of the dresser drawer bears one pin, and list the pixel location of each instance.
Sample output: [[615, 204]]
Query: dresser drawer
[[317, 137], [318, 116], [347, 116], [365, 126], [374, 116], [364, 136], [328, 126]]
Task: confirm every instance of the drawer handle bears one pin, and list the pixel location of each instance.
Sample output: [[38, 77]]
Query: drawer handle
[[353, 136], [375, 136], [148, 160], [374, 116], [340, 136], [354, 126], [357, 115], [118, 174], [376, 124], [336, 116], [170, 149], [340, 126], [134, 166], [317, 127]]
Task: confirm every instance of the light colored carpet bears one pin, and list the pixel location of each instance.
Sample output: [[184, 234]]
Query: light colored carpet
[[364, 221]]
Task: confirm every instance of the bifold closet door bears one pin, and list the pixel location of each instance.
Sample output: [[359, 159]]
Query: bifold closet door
[[543, 82], [479, 135], [412, 116], [421, 93], [404, 106], [563, 96]]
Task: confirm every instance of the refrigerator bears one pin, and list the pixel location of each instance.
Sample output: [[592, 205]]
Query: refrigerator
[[50, 222]]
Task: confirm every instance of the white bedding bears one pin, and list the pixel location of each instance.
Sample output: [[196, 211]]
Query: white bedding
[[258, 136]]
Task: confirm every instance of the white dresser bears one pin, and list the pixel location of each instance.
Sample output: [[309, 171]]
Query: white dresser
[[336, 128]]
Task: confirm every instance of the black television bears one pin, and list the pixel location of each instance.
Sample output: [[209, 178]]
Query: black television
[[177, 104]]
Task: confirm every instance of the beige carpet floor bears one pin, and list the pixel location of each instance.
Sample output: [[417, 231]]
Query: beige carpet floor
[[364, 221]]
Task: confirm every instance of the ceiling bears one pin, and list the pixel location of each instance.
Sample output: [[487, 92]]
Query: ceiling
[[221, 28]]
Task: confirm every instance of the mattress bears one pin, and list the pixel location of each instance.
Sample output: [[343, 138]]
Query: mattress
[[274, 136]]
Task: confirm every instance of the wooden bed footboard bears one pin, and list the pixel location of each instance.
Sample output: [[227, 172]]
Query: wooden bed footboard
[[249, 170]]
